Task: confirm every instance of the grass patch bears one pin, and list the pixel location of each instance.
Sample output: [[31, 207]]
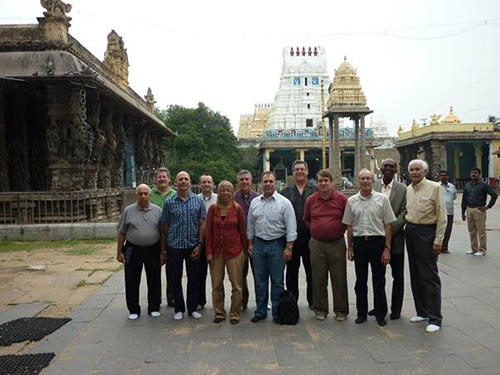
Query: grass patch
[[77, 245], [81, 283]]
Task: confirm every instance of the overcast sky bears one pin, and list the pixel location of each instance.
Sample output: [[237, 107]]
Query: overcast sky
[[414, 58]]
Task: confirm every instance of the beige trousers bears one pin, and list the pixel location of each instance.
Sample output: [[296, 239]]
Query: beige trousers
[[476, 224], [329, 257], [234, 268]]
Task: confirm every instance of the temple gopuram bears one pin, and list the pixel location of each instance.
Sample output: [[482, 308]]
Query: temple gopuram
[[73, 134]]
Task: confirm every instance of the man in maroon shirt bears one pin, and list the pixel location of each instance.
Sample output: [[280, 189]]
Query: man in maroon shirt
[[323, 214], [244, 197]]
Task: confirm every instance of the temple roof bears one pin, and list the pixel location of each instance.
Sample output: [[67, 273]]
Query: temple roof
[[451, 118], [346, 87]]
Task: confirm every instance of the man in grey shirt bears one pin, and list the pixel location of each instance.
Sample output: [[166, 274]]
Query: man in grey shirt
[[139, 237], [368, 216], [271, 231]]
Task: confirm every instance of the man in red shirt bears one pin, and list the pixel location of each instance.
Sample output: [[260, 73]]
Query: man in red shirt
[[323, 214]]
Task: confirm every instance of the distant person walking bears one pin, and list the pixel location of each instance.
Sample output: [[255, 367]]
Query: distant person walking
[[474, 210], [139, 238], [226, 242], [449, 194]]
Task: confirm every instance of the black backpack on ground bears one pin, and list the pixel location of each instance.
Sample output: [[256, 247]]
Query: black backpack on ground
[[288, 311]]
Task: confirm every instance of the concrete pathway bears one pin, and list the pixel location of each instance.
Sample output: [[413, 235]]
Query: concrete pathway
[[100, 339]]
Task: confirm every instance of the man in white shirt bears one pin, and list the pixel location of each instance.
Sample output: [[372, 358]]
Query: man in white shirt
[[449, 194]]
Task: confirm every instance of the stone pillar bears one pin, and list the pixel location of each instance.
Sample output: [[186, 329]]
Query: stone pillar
[[17, 146], [4, 172], [478, 152], [121, 140], [330, 144], [357, 151], [436, 163], [337, 167], [457, 163], [98, 139], [362, 143], [267, 160], [109, 149], [301, 154]]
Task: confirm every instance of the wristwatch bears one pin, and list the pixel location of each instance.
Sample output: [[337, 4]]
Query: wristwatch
[[387, 247], [289, 248]]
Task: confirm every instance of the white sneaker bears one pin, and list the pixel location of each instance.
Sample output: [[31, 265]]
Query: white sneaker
[[196, 315], [320, 317], [418, 319], [178, 316], [133, 316], [479, 254], [432, 328], [155, 314], [269, 306], [470, 252]]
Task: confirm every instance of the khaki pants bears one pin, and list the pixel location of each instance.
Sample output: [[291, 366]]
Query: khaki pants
[[476, 224], [234, 268], [329, 257]]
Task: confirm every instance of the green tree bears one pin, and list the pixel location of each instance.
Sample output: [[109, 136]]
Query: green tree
[[205, 143]]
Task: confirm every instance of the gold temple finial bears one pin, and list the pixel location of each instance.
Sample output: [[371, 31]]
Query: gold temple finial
[[345, 89], [55, 8], [451, 118], [116, 57], [435, 119]]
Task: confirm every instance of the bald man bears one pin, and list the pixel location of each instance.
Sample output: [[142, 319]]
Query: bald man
[[139, 237]]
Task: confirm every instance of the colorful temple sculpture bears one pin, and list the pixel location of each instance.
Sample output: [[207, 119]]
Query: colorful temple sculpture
[[70, 125]]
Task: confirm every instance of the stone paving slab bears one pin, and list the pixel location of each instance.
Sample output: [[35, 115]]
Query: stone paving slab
[[22, 310], [101, 340]]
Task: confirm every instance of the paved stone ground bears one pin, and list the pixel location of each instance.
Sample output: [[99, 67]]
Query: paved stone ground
[[100, 339]]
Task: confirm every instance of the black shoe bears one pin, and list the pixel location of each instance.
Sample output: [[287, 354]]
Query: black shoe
[[256, 319], [371, 312], [395, 316], [218, 320], [382, 322], [234, 321], [360, 320]]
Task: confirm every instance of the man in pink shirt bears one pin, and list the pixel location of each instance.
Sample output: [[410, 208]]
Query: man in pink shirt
[[323, 214]]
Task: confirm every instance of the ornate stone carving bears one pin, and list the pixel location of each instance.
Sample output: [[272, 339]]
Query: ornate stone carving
[[150, 100], [435, 119], [108, 155], [121, 141], [141, 155], [55, 8], [116, 57], [98, 141]]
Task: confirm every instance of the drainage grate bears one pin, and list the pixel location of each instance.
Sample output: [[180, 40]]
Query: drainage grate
[[25, 364], [29, 329]]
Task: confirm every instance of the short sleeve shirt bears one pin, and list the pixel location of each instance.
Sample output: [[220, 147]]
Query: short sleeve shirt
[[141, 226], [325, 216]]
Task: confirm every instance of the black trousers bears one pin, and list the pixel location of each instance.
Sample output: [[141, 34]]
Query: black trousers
[[169, 274], [425, 281], [136, 257], [202, 277], [370, 252], [300, 250], [398, 282], [178, 256], [447, 233]]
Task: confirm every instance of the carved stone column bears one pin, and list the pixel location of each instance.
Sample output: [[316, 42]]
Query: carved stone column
[[121, 141], [109, 149], [357, 151], [17, 145], [437, 157], [98, 139], [330, 145], [149, 159], [4, 172], [140, 153], [362, 143]]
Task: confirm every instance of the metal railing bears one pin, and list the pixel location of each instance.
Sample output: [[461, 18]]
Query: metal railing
[[60, 207]]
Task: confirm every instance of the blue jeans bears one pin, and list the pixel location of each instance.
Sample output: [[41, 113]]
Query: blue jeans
[[268, 262]]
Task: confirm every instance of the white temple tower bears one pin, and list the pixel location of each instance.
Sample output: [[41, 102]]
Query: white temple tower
[[297, 105]]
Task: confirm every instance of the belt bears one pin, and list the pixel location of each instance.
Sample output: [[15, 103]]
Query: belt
[[369, 238], [269, 241], [328, 241], [475, 205], [142, 247]]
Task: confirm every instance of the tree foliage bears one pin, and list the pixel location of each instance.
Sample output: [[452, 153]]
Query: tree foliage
[[205, 143]]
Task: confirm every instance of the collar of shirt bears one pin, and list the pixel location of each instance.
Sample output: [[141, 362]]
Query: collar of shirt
[[205, 198], [367, 197], [391, 184], [419, 185], [447, 186], [190, 195], [144, 209], [273, 196]]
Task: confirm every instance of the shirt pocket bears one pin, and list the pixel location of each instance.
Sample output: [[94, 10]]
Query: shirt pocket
[[425, 205]]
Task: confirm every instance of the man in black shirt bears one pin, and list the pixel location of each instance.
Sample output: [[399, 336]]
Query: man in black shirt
[[474, 210], [297, 194]]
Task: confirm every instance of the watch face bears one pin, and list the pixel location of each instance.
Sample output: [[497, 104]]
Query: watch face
[[296, 81], [315, 81]]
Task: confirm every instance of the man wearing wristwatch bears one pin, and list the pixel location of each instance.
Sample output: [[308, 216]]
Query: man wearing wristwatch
[[368, 216], [271, 231], [183, 221]]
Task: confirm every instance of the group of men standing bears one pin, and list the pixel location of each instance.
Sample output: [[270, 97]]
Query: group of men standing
[[305, 223]]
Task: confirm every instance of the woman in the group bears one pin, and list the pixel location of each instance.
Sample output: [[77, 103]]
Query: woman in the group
[[225, 243]]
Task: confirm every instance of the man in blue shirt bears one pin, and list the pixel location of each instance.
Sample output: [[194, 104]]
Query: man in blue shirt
[[271, 231], [183, 220], [449, 194]]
